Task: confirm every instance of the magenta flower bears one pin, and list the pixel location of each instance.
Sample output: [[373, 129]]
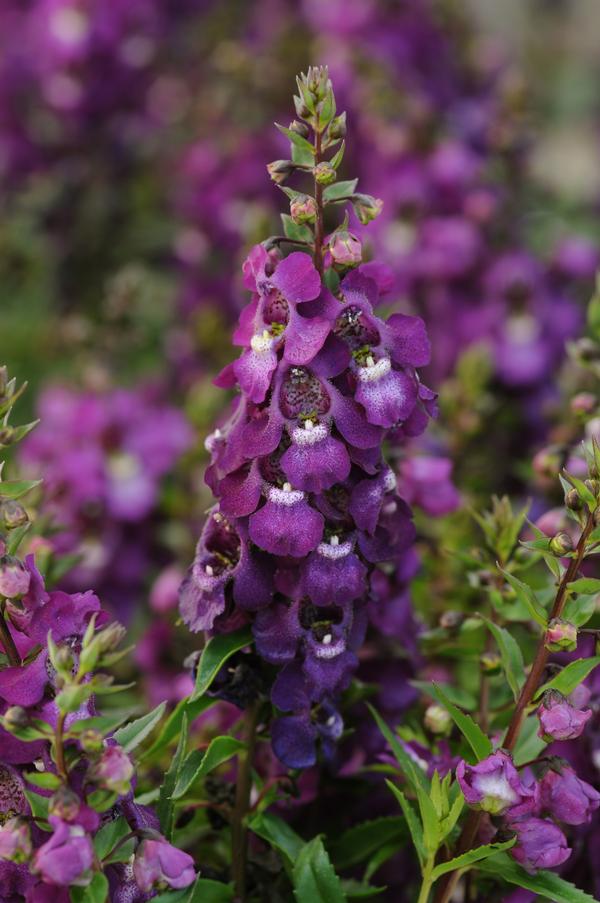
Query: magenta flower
[[158, 864], [559, 720], [540, 844], [66, 858], [567, 798], [113, 770], [493, 784]]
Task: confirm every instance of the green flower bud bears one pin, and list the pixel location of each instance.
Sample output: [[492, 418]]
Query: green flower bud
[[64, 804], [300, 128], [437, 719], [280, 170], [561, 543], [490, 663], [337, 128], [573, 500], [367, 208], [303, 209], [324, 173], [593, 486], [16, 717], [561, 636], [14, 515], [91, 741]]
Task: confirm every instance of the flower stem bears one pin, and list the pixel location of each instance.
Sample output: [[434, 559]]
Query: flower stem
[[59, 747], [319, 202], [528, 691], [427, 882], [239, 836], [12, 653]]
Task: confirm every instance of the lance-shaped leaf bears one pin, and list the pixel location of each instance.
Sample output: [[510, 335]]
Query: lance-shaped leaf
[[545, 883], [14, 489], [413, 823], [412, 772], [571, 676], [510, 654], [477, 740], [315, 880], [527, 596], [469, 858], [215, 654], [134, 733], [199, 763], [166, 806]]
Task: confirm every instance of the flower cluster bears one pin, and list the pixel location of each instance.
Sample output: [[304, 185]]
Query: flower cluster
[[67, 814], [103, 456], [307, 506]]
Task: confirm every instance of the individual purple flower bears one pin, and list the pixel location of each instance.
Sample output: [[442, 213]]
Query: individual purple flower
[[65, 859], [158, 865], [333, 574], [559, 720], [345, 248], [426, 482], [14, 578], [540, 844], [286, 524], [566, 797], [492, 785], [315, 461]]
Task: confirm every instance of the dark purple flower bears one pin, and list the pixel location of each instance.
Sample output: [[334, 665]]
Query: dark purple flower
[[333, 574], [286, 524], [158, 864], [493, 784], [566, 797]]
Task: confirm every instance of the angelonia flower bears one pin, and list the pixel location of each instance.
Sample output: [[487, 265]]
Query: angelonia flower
[[103, 455], [307, 507], [559, 720], [492, 785], [158, 864]]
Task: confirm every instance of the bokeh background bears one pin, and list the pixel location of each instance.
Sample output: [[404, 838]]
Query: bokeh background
[[133, 141]]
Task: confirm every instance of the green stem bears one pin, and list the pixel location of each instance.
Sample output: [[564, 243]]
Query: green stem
[[59, 748], [319, 229], [427, 882], [239, 835]]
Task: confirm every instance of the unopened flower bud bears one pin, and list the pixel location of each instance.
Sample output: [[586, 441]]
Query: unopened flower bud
[[593, 486], [583, 403], [345, 249], [15, 841], [91, 741], [437, 719], [324, 173], [14, 515], [450, 620], [303, 209], [337, 129], [302, 110], [113, 771], [559, 720], [561, 636], [14, 578], [64, 804], [16, 717], [300, 128], [573, 500], [279, 170], [367, 208], [561, 543], [110, 637], [547, 462], [490, 663], [6, 435], [63, 660]]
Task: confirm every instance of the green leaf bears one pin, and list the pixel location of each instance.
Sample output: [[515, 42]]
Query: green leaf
[[95, 892], [14, 489], [510, 653], [39, 804], [584, 585], [362, 840], [412, 772], [15, 537], [166, 806], [587, 496], [338, 156], [102, 800], [278, 834], [109, 835], [205, 890], [172, 726], [430, 820], [296, 231], [132, 734], [527, 596], [477, 740], [200, 762], [468, 858], [306, 149], [313, 876], [47, 780], [215, 654], [545, 883], [447, 823], [358, 890], [529, 745], [414, 826], [579, 610], [571, 676], [339, 190]]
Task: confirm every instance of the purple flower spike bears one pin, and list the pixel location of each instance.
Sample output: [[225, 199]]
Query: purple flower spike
[[492, 785], [65, 859], [159, 864], [559, 720], [286, 524], [540, 844], [567, 798]]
